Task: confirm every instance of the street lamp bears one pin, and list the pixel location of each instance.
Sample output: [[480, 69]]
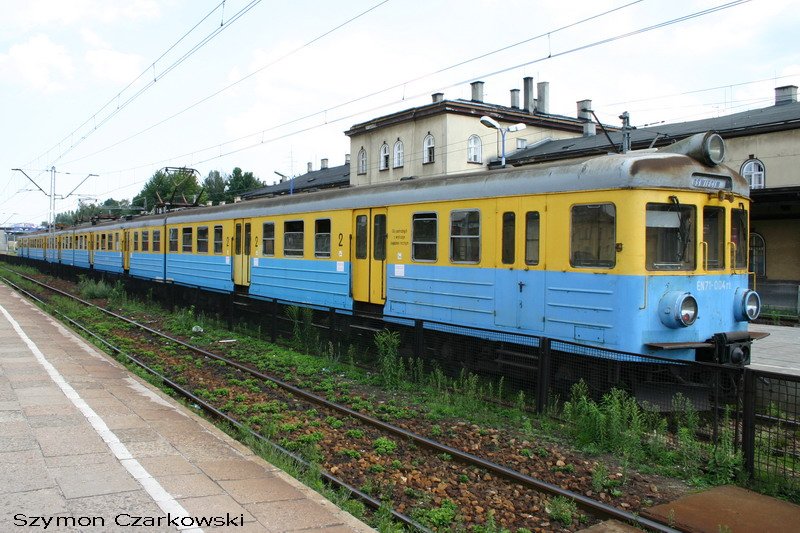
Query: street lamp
[[489, 122]]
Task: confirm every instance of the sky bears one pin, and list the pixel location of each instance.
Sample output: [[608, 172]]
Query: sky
[[120, 89]]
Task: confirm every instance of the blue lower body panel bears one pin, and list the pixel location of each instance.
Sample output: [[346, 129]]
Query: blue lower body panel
[[604, 310], [147, 266], [211, 272], [108, 261], [322, 282]]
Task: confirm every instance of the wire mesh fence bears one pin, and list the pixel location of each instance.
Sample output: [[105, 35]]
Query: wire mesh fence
[[771, 427]]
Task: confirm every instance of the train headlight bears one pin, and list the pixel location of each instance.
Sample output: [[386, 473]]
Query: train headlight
[[677, 309], [714, 148], [746, 305]]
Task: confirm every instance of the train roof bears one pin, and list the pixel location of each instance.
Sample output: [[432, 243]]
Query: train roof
[[643, 169]]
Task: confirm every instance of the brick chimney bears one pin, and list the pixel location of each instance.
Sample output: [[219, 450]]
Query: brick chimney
[[437, 97], [786, 95], [589, 127], [543, 97], [528, 101], [477, 91]]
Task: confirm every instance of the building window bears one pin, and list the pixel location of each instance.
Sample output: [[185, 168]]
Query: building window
[[593, 236], [322, 235], [398, 154], [362, 161], [423, 237], [428, 149], [268, 239], [753, 172], [293, 238], [474, 149], [384, 159], [217, 239], [202, 240], [187, 240], [173, 239], [465, 236]]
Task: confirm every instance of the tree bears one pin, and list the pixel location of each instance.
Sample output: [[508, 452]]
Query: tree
[[214, 186], [239, 182], [168, 186]]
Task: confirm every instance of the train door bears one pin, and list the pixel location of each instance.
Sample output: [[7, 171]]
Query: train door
[[519, 277], [242, 248], [126, 250], [368, 255]]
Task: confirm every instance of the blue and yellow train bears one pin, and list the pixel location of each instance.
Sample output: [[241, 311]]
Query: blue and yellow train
[[643, 252]]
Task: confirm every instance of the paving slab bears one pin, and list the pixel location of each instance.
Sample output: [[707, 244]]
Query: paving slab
[[728, 508], [81, 437]]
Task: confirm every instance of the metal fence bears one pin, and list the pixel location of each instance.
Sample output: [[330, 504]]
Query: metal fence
[[760, 408], [771, 431]]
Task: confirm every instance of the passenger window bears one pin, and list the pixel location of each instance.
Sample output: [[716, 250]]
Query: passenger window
[[532, 238], [116, 242], [322, 238], [465, 236], [593, 236], [145, 241], [508, 245], [293, 238], [173, 239], [217, 239], [268, 239], [135, 241], [187, 240], [156, 240], [202, 240], [237, 250], [379, 238], [669, 236], [714, 237], [739, 235], [423, 237], [361, 237]]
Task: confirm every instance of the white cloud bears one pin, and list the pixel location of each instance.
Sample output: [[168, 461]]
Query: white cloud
[[114, 66], [38, 13], [38, 63]]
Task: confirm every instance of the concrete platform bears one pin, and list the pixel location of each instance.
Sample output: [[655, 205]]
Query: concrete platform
[[86, 446]]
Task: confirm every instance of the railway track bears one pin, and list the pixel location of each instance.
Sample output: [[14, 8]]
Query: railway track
[[504, 482]]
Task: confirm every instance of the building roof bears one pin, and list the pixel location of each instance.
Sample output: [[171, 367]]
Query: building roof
[[755, 121], [471, 108], [323, 178]]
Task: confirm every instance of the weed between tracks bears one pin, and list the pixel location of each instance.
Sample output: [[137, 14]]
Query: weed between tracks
[[452, 409]]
